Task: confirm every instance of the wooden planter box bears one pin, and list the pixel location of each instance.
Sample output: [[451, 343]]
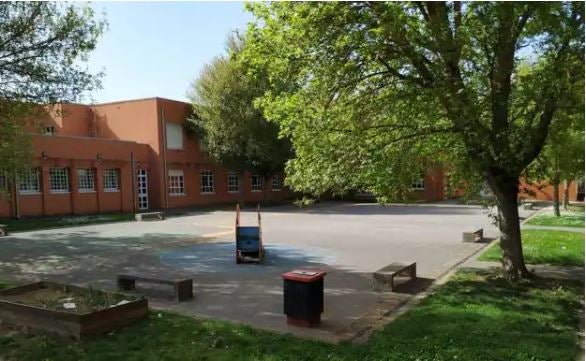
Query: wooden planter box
[[65, 323]]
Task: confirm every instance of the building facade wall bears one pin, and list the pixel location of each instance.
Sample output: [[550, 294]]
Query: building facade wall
[[544, 192]]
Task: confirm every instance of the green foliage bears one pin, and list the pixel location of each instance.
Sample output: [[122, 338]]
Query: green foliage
[[225, 119], [43, 47], [475, 316], [549, 247], [565, 220], [304, 202], [383, 89]]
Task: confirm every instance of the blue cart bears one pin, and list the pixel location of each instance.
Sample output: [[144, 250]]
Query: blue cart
[[249, 248]]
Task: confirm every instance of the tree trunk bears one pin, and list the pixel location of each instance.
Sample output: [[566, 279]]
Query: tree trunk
[[556, 195], [556, 187], [506, 190], [566, 194]]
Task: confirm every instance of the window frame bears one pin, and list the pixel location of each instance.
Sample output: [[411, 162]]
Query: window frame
[[176, 182], [91, 180], [50, 130], [30, 172], [107, 173], [418, 184], [228, 184], [202, 188], [252, 183], [170, 144], [62, 180], [279, 183]]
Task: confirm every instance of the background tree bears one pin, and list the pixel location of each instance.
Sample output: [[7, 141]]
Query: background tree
[[562, 158], [382, 88], [43, 47], [233, 130]]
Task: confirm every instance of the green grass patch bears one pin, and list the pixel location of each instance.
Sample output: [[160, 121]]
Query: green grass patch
[[567, 219], [475, 316], [31, 224], [546, 247]]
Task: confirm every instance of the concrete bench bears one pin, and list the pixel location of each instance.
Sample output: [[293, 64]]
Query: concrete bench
[[3, 230], [528, 205], [183, 287], [149, 215], [475, 236], [385, 277]]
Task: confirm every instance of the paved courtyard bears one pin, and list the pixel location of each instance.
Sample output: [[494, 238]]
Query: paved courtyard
[[349, 241]]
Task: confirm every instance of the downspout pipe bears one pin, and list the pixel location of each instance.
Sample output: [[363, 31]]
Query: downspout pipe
[[165, 180]]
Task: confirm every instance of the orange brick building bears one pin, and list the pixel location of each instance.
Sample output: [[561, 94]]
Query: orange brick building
[[135, 155], [124, 157]]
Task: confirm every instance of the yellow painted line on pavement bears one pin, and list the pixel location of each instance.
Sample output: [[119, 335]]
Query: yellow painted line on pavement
[[217, 234]]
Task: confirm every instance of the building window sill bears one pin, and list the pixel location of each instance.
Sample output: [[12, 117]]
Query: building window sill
[[112, 190], [24, 193], [418, 189], [233, 192], [59, 192], [207, 193], [256, 190], [86, 191], [177, 194], [276, 190]]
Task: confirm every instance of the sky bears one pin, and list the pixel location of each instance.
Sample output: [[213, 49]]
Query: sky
[[158, 48]]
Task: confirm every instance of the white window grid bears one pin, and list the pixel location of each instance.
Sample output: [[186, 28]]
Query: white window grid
[[176, 182], [418, 184], [207, 182], [256, 183], [50, 130], [59, 180], [29, 181], [86, 180], [276, 183], [110, 177], [233, 183]]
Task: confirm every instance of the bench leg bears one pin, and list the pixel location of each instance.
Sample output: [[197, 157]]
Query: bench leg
[[184, 290], [126, 284], [413, 272]]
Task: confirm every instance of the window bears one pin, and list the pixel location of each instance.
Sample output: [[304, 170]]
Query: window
[[233, 183], [59, 180], [50, 130], [28, 181], [418, 184], [207, 181], [3, 182], [110, 177], [85, 180], [276, 183], [256, 183], [174, 136], [176, 182]]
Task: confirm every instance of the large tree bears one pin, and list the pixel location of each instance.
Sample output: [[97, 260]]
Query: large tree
[[43, 47], [234, 132], [382, 88]]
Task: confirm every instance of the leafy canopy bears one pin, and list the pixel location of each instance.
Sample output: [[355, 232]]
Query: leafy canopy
[[43, 48], [234, 132], [381, 89]]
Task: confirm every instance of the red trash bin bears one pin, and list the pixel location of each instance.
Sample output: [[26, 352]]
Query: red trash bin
[[303, 293]]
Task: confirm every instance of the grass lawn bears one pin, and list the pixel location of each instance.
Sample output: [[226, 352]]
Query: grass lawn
[[475, 316], [567, 219], [549, 247], [30, 224]]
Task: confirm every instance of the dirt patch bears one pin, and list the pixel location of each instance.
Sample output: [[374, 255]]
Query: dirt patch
[[64, 299]]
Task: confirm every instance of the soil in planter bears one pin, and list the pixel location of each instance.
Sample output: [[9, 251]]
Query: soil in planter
[[63, 299]]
